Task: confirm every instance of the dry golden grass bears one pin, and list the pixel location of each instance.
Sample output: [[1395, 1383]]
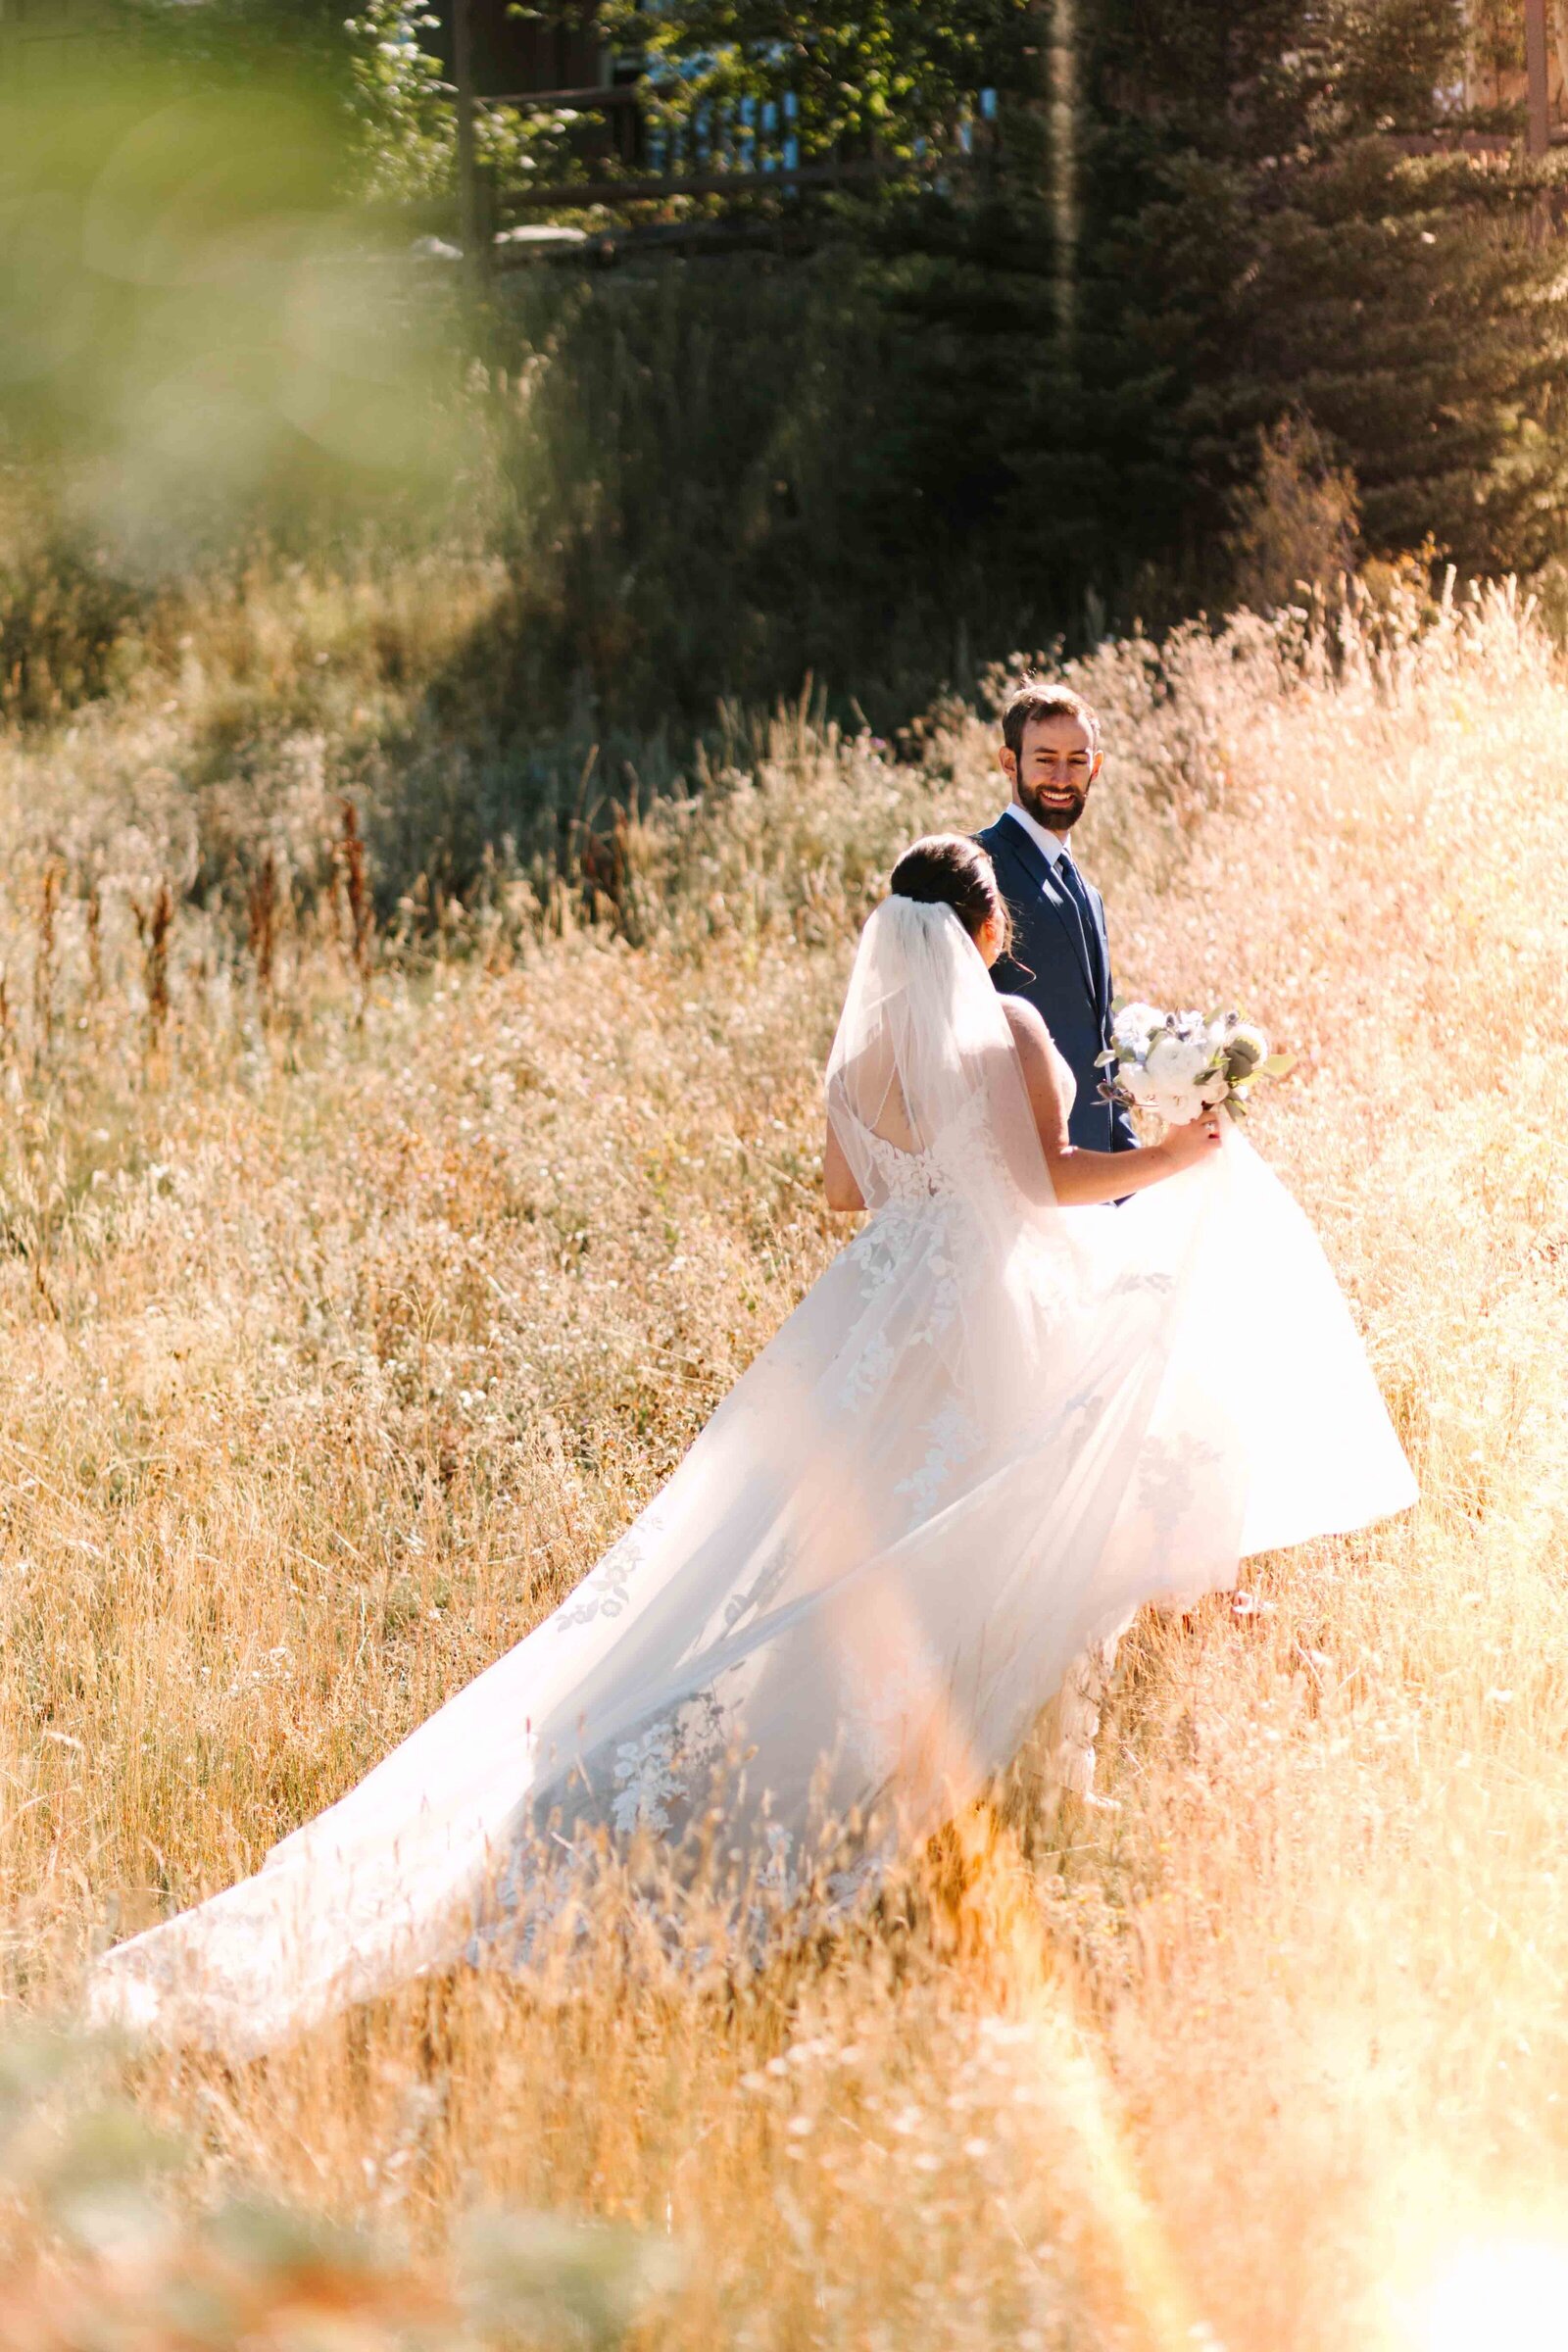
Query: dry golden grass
[[344, 1329]]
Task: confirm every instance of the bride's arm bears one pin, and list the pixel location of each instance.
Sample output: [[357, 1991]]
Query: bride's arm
[[1079, 1177], [838, 1177]]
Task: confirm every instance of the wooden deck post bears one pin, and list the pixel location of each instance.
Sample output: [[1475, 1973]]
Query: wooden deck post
[[1538, 134], [471, 218]]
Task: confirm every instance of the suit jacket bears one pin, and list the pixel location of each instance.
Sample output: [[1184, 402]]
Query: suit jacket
[[1068, 983]]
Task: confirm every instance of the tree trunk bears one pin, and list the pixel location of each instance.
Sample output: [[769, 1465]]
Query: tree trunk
[[1053, 104], [1538, 137]]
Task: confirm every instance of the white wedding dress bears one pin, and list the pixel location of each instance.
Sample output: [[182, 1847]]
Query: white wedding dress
[[989, 1432]]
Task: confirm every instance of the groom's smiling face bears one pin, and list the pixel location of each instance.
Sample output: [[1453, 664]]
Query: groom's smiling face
[[1051, 774]]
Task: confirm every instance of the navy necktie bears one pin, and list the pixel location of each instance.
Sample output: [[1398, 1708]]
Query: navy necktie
[[1070, 882], [1066, 873]]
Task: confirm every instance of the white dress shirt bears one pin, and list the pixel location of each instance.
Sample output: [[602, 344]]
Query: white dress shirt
[[1047, 842]]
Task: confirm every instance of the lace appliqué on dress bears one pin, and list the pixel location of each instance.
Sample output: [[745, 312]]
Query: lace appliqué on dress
[[870, 1368], [659, 1767], [879, 1250], [604, 1590], [954, 1437]]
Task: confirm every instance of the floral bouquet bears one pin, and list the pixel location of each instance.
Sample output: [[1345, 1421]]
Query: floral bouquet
[[1180, 1064]]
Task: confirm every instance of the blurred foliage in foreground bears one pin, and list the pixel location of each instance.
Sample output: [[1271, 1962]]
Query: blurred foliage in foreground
[[95, 2251], [199, 334]]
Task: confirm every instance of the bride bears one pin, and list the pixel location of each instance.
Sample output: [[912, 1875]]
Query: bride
[[1004, 1417]]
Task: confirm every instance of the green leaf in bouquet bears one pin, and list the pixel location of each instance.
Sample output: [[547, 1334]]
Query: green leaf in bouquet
[[1279, 1065], [1103, 1061]]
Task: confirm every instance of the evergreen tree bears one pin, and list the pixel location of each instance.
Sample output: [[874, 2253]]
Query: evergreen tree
[[1246, 245], [1273, 253]]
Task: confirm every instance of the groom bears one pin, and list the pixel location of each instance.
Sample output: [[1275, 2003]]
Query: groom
[[1059, 958]]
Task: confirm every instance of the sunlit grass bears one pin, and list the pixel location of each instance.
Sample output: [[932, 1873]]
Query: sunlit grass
[[346, 1322]]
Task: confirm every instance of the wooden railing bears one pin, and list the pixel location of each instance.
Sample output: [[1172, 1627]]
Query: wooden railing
[[743, 149]]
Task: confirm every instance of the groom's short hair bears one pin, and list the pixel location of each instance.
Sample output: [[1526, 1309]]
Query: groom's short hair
[[1039, 698]]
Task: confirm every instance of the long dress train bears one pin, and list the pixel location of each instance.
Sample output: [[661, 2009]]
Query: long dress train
[[989, 1432]]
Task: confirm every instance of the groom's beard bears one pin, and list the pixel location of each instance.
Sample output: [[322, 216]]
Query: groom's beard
[[1055, 819]]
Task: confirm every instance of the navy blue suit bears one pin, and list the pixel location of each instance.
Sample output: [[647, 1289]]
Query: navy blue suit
[[1064, 975]]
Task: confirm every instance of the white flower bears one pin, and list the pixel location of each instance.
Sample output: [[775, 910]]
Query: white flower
[[1134, 1026], [1214, 1092], [1176, 1064]]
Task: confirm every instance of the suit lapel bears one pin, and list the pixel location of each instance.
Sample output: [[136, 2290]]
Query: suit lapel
[[1037, 866], [1101, 947]]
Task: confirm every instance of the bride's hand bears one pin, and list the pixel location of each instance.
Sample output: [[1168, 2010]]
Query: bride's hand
[[1196, 1140]]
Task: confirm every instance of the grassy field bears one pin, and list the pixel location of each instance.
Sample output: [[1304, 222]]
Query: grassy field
[[360, 1284]]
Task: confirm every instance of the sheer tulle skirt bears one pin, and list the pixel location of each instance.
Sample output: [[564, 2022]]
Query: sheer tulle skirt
[[952, 1475]]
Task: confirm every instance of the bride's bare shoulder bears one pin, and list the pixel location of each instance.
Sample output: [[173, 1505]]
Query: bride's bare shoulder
[[1029, 1031], [1045, 1073]]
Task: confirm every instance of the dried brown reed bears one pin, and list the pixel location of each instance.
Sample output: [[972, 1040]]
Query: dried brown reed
[[93, 925], [365, 1343], [154, 922], [260, 921], [355, 868], [43, 961]]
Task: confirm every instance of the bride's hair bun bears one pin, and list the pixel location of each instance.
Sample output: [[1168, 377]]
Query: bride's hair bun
[[949, 869]]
